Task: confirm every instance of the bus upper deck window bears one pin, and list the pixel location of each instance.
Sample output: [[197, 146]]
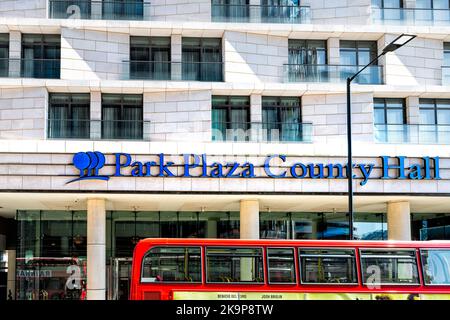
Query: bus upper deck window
[[436, 266], [389, 266], [234, 265], [281, 265], [327, 266], [172, 264]]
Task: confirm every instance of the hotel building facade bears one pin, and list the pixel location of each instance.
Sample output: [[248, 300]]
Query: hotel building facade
[[122, 120]]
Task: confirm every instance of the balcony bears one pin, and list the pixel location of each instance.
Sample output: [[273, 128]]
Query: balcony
[[262, 132], [411, 16], [99, 10], [30, 68], [331, 73], [98, 129], [446, 75], [260, 13], [412, 133], [166, 70]]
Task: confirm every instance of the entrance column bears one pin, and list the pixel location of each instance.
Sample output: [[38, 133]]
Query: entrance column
[[96, 249], [249, 219], [399, 220], [11, 285]]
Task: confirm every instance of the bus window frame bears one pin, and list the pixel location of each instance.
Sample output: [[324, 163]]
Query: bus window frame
[[170, 282], [423, 267], [355, 267], [262, 283], [395, 284], [294, 283]]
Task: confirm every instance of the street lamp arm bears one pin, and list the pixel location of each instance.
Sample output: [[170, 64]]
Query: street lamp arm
[[350, 79]]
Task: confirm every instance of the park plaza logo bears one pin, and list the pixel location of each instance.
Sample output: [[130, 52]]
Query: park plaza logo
[[90, 163]]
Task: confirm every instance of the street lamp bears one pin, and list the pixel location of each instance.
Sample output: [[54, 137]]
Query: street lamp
[[398, 42]]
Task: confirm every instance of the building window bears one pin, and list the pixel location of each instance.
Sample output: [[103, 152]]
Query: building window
[[51, 246], [390, 120], [230, 118], [122, 116], [4, 54], [430, 226], [41, 55], [434, 121], [150, 58], [281, 118], [356, 54], [307, 61], [202, 59], [432, 10], [123, 9], [446, 64], [230, 10], [70, 9], [281, 11], [68, 115], [388, 9]]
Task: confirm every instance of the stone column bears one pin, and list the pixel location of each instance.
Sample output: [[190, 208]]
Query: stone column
[[147, 10], [256, 133], [96, 115], [96, 9], [176, 56], [249, 219], [255, 10], [96, 249], [399, 220], [413, 119], [11, 285], [333, 48], [15, 53]]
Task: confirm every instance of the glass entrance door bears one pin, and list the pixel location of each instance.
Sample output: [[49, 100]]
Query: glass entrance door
[[121, 275]]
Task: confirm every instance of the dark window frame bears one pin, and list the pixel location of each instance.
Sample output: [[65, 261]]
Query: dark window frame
[[435, 107], [295, 48], [386, 107], [294, 260], [279, 106], [228, 106], [358, 46]]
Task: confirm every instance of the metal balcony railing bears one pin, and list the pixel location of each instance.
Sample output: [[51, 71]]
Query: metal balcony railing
[[166, 70], [412, 133], [99, 10], [30, 68], [262, 131], [260, 13], [331, 73], [411, 16], [98, 129]]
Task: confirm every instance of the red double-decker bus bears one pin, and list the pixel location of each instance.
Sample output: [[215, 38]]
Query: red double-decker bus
[[190, 269]]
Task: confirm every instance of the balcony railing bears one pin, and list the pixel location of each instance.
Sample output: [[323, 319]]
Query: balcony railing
[[260, 13], [446, 75], [411, 16], [98, 10], [30, 68], [262, 132], [98, 129], [331, 73], [165, 70], [412, 133]]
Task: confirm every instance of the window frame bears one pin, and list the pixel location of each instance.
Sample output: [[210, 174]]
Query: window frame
[[355, 267], [228, 106], [171, 282], [423, 267], [357, 47], [385, 109], [295, 282], [293, 48], [363, 283], [280, 107], [263, 282], [150, 47], [435, 108]]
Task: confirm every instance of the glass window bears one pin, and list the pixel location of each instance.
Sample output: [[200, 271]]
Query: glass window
[[307, 52], [436, 266], [150, 58], [434, 120], [202, 59], [281, 265], [390, 120], [234, 265], [430, 226], [230, 118], [282, 118], [122, 116], [370, 226], [4, 54], [274, 225], [41, 55], [319, 266], [355, 54], [123, 9], [389, 267], [172, 264], [69, 115], [230, 10]]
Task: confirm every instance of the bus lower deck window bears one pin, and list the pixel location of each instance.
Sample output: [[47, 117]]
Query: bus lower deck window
[[379, 266], [328, 266], [234, 265], [172, 264]]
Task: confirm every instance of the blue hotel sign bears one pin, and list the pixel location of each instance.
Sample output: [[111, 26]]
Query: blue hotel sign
[[89, 165]]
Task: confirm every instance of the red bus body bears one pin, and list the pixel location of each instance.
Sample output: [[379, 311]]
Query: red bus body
[[230, 291]]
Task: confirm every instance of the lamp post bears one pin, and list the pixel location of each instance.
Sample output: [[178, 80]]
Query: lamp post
[[398, 42]]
